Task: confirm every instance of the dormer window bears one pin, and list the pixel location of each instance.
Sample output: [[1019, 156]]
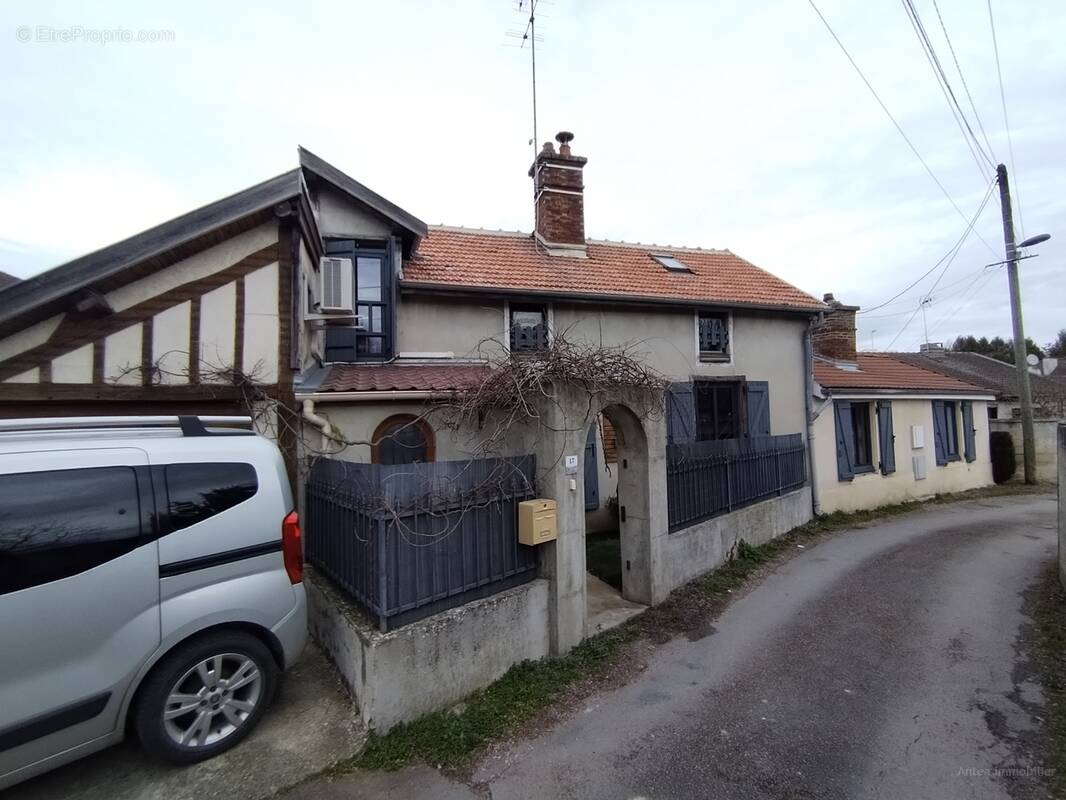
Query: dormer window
[[529, 328], [713, 336], [370, 337], [671, 263]]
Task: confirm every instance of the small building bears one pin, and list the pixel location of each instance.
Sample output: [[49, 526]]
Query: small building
[[1005, 414], [887, 430]]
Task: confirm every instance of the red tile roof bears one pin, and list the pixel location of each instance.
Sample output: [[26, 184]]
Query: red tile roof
[[401, 378], [513, 261], [882, 371]]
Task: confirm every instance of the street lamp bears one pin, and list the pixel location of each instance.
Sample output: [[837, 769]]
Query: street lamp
[[1040, 238]]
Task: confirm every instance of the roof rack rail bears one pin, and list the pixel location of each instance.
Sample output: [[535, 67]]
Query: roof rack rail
[[189, 424]]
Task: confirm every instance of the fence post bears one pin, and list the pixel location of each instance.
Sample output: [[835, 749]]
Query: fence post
[[383, 580], [729, 483], [777, 463]]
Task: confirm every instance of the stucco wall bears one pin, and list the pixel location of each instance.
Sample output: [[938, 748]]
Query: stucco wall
[[339, 215], [765, 347], [1045, 433], [873, 489], [433, 663]]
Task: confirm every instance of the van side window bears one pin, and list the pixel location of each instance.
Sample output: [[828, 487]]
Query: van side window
[[58, 523], [196, 492]]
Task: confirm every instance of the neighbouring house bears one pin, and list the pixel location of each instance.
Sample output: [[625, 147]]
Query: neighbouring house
[[348, 326], [1005, 414], [888, 430]]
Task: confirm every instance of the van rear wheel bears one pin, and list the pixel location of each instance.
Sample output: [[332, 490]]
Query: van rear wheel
[[205, 696]]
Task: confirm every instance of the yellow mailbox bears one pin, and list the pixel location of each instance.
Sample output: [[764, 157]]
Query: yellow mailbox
[[537, 521]]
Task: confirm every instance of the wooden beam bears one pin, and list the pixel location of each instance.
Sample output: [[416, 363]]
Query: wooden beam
[[238, 338], [194, 340], [147, 367], [75, 331], [21, 392]]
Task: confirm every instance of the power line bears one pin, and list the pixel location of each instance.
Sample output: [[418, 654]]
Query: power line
[[962, 77], [976, 285], [1006, 123], [945, 87], [954, 249], [888, 113]]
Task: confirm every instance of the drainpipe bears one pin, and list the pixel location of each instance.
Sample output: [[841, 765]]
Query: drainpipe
[[319, 422], [808, 406]]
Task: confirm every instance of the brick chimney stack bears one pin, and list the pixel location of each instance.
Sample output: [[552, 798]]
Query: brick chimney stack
[[834, 338], [558, 192]]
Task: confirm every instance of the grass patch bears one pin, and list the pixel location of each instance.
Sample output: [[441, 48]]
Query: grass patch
[[1049, 615], [603, 557], [452, 739]]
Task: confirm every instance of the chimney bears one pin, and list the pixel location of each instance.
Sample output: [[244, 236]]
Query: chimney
[[834, 338], [558, 188]]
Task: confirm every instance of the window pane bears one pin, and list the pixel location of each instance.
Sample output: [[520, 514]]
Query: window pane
[[403, 443], [714, 334], [368, 278], [529, 330], [370, 345], [376, 321], [199, 491], [860, 423], [57, 524], [727, 413]]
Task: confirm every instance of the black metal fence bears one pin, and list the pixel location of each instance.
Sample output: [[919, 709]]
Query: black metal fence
[[406, 541], [704, 479]]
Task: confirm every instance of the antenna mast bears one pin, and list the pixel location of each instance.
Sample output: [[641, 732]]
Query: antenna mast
[[530, 35]]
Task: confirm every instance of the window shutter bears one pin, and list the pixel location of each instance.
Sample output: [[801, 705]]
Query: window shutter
[[845, 443], [940, 432], [680, 413], [592, 482], [886, 439], [968, 443], [758, 408]]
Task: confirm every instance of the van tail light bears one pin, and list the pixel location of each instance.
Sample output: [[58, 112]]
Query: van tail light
[[291, 547]]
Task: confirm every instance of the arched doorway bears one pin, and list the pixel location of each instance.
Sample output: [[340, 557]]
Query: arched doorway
[[617, 525]]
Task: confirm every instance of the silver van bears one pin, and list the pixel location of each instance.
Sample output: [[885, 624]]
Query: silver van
[[150, 582]]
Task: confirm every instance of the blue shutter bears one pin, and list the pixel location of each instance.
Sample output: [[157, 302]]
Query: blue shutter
[[886, 439], [845, 440], [940, 432], [758, 408], [592, 478], [968, 443], [680, 413]]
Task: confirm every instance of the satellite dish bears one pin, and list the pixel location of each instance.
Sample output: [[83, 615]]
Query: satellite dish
[[1032, 360]]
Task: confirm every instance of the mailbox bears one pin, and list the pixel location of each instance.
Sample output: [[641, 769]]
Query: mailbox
[[537, 521]]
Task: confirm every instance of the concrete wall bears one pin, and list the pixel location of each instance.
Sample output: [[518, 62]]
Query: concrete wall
[[433, 663], [1045, 433], [873, 489], [690, 552], [1062, 502]]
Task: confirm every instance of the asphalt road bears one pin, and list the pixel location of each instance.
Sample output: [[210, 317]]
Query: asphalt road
[[886, 662]]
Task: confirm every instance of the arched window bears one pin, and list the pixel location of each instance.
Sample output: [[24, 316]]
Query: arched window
[[402, 439]]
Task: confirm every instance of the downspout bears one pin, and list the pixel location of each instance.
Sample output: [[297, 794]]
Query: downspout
[[808, 405], [320, 422]]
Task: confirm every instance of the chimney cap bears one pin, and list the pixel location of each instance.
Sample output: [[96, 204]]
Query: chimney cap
[[828, 297], [564, 137]]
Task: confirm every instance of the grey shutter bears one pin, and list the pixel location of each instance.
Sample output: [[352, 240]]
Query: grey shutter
[[886, 439], [592, 478], [940, 432], [845, 443], [968, 443], [680, 413], [758, 408]]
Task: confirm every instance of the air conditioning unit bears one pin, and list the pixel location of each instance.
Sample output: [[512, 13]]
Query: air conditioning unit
[[336, 277]]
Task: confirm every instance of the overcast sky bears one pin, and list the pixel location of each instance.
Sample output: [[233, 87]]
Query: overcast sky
[[721, 124]]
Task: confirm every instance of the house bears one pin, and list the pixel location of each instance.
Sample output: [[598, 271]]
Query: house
[[1001, 378], [888, 430], [348, 327]]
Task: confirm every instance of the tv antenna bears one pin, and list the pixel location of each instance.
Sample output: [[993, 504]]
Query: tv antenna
[[529, 34]]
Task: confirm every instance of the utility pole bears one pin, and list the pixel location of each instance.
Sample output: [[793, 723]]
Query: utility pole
[[1024, 391]]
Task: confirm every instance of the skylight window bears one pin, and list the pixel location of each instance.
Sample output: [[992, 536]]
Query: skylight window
[[670, 262]]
